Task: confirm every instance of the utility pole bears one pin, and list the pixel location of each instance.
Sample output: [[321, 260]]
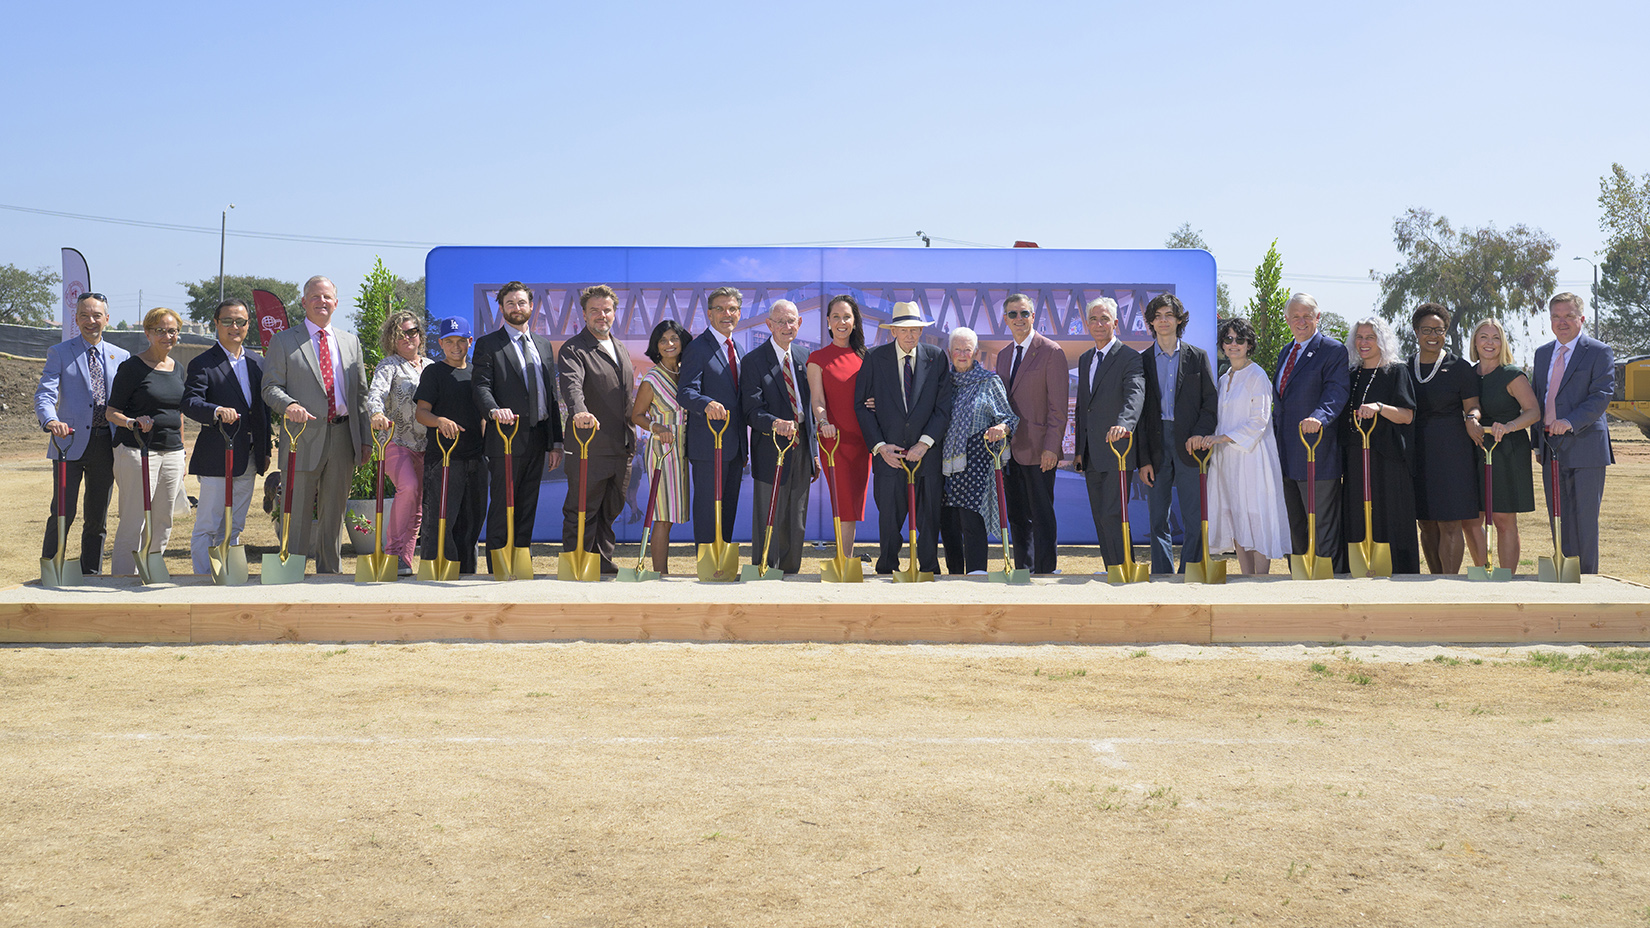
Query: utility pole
[[1598, 313], [223, 232]]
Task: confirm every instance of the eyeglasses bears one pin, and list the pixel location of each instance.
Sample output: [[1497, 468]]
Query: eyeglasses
[[165, 333], [233, 323], [1429, 330], [1017, 314]]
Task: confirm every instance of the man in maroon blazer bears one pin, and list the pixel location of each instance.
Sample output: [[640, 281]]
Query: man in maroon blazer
[[1039, 389]]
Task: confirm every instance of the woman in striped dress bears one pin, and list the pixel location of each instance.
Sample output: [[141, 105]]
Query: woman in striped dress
[[658, 411]]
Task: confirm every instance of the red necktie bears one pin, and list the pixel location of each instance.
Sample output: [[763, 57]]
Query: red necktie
[[733, 362], [325, 355], [790, 386], [1283, 381]]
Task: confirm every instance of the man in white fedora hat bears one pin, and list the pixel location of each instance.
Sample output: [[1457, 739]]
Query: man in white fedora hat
[[908, 386]]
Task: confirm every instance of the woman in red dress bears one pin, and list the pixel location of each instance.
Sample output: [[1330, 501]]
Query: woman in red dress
[[832, 371]]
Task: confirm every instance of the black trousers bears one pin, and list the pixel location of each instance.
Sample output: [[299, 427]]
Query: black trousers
[[704, 497], [466, 502], [96, 467], [1031, 522], [966, 545], [1328, 501], [526, 470], [888, 484], [603, 502]]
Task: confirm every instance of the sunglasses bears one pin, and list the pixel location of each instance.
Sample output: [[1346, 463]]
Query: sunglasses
[[93, 296], [1233, 340], [1017, 314], [411, 333], [233, 323]]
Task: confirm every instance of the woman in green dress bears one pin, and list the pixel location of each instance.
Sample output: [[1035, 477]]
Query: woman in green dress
[[1509, 408]]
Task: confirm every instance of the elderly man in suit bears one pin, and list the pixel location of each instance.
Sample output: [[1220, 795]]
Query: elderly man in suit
[[1111, 395], [315, 378], [599, 385], [222, 387], [909, 388], [774, 393], [71, 402], [1313, 383], [1575, 380], [708, 388], [1039, 389], [514, 377], [1180, 406]]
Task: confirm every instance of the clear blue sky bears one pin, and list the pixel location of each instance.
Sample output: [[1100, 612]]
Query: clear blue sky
[[1087, 125]]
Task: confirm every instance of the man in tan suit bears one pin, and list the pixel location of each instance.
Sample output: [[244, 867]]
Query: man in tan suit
[[313, 375], [599, 385], [1034, 370]]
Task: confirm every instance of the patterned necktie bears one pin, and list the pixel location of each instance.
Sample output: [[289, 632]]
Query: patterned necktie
[[324, 353], [1551, 413], [531, 369], [1289, 367], [100, 390], [1014, 369], [790, 386], [910, 382], [733, 362]]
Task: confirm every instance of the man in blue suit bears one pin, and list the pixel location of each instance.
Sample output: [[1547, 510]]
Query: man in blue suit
[[709, 391], [773, 391], [910, 386], [223, 385], [71, 402], [1575, 379], [1313, 382]]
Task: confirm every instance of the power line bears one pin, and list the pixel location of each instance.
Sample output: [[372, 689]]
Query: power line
[[239, 233]]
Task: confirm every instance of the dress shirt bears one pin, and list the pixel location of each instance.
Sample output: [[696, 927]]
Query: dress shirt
[[1099, 358], [338, 400], [899, 370], [1168, 364], [528, 355], [237, 363], [1552, 366]]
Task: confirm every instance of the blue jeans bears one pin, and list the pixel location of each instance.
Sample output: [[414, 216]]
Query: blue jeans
[[1175, 478]]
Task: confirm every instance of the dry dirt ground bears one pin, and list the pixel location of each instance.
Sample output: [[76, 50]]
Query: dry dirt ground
[[754, 785]]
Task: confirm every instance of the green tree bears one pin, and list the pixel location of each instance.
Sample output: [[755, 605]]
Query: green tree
[[412, 294], [375, 302], [29, 297], [1265, 310], [1624, 274], [1187, 237], [203, 294], [1476, 274]]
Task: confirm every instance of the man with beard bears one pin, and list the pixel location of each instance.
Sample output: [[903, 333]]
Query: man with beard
[[598, 384]]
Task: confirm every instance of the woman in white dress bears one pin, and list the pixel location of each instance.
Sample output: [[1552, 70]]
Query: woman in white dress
[[1245, 479]]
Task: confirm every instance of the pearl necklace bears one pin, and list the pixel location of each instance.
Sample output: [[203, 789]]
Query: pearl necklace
[[1436, 365]]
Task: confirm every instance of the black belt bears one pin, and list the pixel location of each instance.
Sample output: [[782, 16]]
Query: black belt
[[341, 420]]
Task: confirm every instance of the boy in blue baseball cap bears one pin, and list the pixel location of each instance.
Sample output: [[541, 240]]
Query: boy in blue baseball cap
[[446, 405]]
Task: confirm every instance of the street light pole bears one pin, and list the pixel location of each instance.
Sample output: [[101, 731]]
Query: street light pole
[[223, 232], [1599, 313]]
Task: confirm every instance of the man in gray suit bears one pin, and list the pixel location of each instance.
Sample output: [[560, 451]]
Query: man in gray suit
[[1111, 393], [313, 375], [599, 384], [1575, 380]]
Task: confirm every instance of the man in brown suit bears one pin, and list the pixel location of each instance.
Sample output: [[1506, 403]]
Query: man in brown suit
[[1039, 389], [599, 385]]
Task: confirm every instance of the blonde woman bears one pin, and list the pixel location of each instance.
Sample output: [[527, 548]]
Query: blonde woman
[[146, 399], [1509, 408], [390, 400]]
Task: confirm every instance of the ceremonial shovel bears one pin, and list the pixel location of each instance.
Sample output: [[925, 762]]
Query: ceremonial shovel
[[1474, 572], [1369, 558], [911, 574], [226, 561], [1009, 573], [55, 571], [719, 560], [842, 568], [1206, 570], [762, 571], [1558, 568], [378, 567], [579, 564], [440, 567], [511, 562], [284, 567], [151, 565], [640, 572], [1310, 566], [1128, 571]]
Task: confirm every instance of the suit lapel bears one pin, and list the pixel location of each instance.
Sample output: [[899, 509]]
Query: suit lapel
[[1570, 365]]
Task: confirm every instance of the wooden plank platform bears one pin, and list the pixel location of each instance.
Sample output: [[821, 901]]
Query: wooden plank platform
[[1070, 610]]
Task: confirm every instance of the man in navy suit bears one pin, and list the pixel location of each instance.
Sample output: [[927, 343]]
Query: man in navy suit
[[910, 386], [1180, 406], [773, 390], [1313, 382], [1575, 380], [222, 386], [709, 390], [70, 402]]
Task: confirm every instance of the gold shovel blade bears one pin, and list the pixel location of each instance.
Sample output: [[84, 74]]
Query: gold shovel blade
[[718, 562], [1310, 567], [580, 566], [1211, 571], [228, 568], [152, 568], [1128, 572], [376, 568], [842, 570], [512, 563]]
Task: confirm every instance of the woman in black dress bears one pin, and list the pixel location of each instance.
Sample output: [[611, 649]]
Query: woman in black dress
[[1510, 408], [1382, 390], [1447, 459]]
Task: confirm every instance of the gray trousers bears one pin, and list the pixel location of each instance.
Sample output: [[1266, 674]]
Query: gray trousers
[[790, 517], [323, 491], [208, 531]]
